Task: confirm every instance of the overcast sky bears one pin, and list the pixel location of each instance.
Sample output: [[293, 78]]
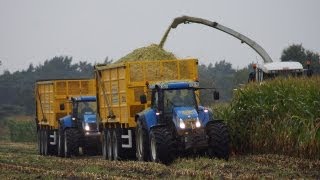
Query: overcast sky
[[32, 31]]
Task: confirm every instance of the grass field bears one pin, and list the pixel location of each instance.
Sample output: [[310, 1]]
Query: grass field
[[20, 161]]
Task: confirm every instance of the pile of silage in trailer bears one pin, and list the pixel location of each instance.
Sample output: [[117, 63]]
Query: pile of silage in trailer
[[278, 116], [152, 52]]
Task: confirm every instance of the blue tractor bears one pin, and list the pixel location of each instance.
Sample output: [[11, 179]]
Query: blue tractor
[[80, 128], [175, 124]]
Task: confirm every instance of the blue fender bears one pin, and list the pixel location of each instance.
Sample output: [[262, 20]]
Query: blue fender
[[205, 115], [149, 117], [66, 122]]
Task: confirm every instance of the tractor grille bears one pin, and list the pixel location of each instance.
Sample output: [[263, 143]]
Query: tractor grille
[[93, 126], [190, 123]]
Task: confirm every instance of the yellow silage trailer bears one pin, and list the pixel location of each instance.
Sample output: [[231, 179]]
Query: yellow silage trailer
[[119, 87], [50, 97]]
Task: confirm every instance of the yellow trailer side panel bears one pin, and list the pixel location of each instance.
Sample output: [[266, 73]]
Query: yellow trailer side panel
[[50, 94], [119, 86]]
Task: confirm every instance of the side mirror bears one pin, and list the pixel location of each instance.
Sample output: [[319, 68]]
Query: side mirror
[[143, 99], [216, 95], [62, 107]]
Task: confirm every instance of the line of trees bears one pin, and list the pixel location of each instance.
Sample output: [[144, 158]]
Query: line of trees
[[17, 88]]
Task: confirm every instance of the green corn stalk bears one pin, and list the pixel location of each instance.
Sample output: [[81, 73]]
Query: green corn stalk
[[279, 116]]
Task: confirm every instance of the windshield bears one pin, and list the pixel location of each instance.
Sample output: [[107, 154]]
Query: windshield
[[286, 73], [87, 107], [178, 98]]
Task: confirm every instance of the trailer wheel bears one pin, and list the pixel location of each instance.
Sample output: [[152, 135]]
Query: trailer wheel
[[42, 142], [60, 143], [71, 146], [39, 142], [116, 144], [104, 144], [109, 145], [142, 142], [162, 145], [218, 140], [45, 142]]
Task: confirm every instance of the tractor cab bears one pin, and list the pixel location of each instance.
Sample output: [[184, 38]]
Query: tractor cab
[[173, 100], [83, 115], [177, 102], [84, 110]]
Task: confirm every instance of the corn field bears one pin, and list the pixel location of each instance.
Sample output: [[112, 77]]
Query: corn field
[[21, 130], [280, 116]]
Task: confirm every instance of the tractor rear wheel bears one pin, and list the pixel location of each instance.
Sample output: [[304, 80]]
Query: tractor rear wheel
[[142, 142], [218, 140], [162, 145]]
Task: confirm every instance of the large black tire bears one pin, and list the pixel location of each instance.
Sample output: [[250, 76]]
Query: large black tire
[[219, 140], [104, 144], [92, 147], [71, 144], [142, 142], [109, 144], [60, 141], [45, 142], [117, 145], [162, 145], [39, 142]]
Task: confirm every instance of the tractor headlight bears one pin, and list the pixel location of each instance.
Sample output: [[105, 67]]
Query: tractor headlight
[[87, 127], [181, 124], [73, 118], [198, 124]]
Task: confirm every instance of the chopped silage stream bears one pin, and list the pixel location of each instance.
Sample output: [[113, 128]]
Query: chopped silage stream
[[20, 160], [151, 53]]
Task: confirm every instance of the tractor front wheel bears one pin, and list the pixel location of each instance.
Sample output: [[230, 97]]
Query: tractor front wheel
[[218, 140], [71, 145], [162, 145]]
